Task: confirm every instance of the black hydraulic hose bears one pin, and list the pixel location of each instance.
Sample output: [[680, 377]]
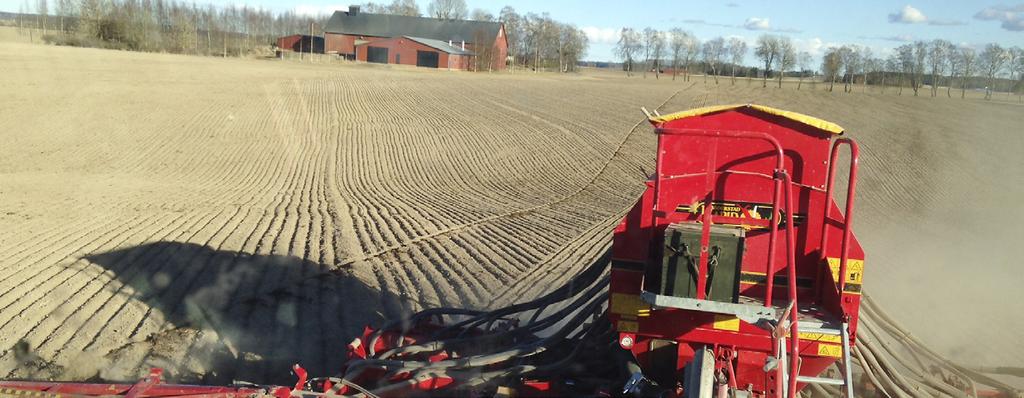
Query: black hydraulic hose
[[521, 351], [576, 285], [488, 379], [540, 325], [570, 289]]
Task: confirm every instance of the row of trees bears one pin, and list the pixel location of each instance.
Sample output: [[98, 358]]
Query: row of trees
[[937, 63], [441, 9], [678, 50], [165, 25], [536, 41]]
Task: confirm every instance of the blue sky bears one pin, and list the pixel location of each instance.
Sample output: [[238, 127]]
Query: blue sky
[[813, 25]]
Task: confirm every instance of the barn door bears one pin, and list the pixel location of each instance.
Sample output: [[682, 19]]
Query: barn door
[[426, 59], [377, 55]]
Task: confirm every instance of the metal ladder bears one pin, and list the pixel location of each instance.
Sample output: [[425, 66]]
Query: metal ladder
[[847, 380]]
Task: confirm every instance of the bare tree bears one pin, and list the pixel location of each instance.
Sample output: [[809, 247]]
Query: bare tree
[[867, 65], [937, 61], [955, 66], [447, 9], [21, 18], [542, 37], [803, 60], [920, 53], [851, 60], [403, 7], [831, 64], [992, 61], [690, 53], [650, 39], [767, 49], [737, 51], [42, 12], [892, 64], [479, 14], [1017, 66], [64, 9], [513, 32], [676, 45], [713, 52], [905, 56], [1013, 57], [657, 45], [787, 57], [572, 44], [968, 61], [629, 45]]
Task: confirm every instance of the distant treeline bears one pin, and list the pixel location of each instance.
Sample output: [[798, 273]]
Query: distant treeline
[[535, 41], [936, 63], [162, 26]]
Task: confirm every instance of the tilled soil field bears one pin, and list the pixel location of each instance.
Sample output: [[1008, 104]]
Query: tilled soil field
[[227, 218]]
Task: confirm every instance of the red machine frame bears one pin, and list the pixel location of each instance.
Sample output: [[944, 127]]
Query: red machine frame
[[742, 157]]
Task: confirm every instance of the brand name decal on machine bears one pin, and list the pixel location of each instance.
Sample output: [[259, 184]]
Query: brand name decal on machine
[[739, 210]]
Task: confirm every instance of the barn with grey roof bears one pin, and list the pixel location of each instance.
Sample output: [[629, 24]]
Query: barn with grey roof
[[420, 41]]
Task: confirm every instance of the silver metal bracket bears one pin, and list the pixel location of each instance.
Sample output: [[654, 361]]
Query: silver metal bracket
[[754, 314]]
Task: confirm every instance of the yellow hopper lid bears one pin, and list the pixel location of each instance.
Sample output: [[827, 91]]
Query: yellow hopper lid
[[794, 116]]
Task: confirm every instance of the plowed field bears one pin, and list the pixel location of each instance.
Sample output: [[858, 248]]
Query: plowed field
[[226, 218]]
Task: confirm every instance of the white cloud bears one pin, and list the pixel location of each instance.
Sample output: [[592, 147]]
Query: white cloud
[[813, 46], [908, 15], [601, 35], [755, 23], [1012, 17], [315, 10]]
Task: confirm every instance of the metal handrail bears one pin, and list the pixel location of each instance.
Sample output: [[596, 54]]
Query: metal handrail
[[781, 177], [776, 194], [848, 215]]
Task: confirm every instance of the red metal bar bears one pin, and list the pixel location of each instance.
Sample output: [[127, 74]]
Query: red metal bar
[[794, 340], [850, 194], [705, 231], [657, 176], [145, 384], [772, 236]]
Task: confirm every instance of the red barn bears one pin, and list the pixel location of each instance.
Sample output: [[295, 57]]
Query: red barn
[[301, 43], [457, 44], [415, 51]]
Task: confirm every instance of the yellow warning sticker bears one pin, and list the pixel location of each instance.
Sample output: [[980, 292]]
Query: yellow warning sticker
[[820, 337], [829, 350], [726, 322], [627, 304], [629, 326], [854, 270]]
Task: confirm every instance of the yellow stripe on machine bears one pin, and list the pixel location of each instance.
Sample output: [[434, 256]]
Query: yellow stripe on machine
[[726, 322], [627, 304], [794, 116]]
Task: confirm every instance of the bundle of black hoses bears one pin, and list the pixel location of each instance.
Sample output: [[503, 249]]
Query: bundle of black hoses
[[563, 334], [893, 363], [566, 335]]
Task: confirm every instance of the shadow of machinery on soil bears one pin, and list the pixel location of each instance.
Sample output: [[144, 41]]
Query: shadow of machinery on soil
[[236, 316]]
